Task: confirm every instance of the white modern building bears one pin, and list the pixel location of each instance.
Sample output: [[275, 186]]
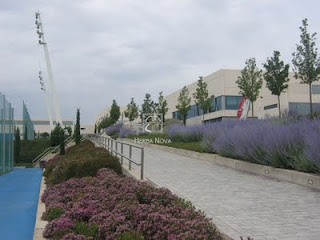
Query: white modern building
[[41, 126], [222, 84]]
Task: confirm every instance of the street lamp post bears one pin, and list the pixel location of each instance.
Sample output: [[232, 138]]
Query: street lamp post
[[47, 100], [51, 80]]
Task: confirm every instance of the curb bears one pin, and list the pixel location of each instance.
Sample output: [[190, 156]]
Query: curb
[[293, 176], [40, 224]]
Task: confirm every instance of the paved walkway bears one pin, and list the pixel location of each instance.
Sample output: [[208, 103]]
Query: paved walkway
[[19, 192], [240, 204]]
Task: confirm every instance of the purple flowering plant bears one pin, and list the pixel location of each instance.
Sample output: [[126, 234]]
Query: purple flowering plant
[[115, 205]]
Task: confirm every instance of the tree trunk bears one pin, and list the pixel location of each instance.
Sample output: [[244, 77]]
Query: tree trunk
[[252, 109], [184, 119], [279, 106], [203, 118], [310, 95]]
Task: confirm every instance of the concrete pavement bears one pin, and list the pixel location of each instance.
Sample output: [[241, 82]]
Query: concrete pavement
[[240, 204]]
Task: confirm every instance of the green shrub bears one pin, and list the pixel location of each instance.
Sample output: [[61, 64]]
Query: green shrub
[[52, 214], [30, 149], [80, 161], [89, 230], [130, 236]]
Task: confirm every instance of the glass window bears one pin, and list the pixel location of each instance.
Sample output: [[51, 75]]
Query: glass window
[[315, 89], [302, 108], [232, 102]]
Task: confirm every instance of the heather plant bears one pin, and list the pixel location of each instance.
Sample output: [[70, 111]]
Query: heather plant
[[130, 236], [112, 206], [80, 161]]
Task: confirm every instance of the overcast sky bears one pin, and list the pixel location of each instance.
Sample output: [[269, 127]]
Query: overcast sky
[[117, 49]]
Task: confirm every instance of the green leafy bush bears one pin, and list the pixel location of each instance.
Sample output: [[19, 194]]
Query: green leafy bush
[[89, 230], [30, 149], [53, 213], [80, 161], [130, 236]]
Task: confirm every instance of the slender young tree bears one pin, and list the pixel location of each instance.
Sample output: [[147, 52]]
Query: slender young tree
[[184, 103], [77, 128], [162, 106], [250, 81], [132, 111], [148, 105], [114, 112], [305, 60], [17, 145], [276, 76], [202, 98]]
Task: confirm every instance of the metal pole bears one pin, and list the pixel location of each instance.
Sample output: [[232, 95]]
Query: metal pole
[[130, 156], [49, 110], [116, 148], [50, 74], [121, 153], [142, 163]]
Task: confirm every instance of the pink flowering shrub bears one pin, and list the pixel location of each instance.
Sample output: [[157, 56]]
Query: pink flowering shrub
[[118, 206]]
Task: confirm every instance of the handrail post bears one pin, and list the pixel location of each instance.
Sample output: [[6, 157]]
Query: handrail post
[[130, 156], [142, 163], [111, 146], [116, 148], [121, 153]]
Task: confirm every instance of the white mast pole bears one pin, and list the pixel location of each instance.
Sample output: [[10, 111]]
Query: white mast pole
[[47, 100], [51, 80]]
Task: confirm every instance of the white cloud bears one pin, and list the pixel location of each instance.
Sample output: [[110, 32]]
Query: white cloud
[[101, 50]]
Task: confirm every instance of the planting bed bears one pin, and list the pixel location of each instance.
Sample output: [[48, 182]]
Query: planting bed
[[109, 205]]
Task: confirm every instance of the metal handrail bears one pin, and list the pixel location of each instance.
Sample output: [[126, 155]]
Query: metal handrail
[[112, 146], [50, 150]]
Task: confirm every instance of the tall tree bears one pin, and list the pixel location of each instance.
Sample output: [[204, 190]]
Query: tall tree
[[184, 103], [276, 76], [77, 128], [17, 145], [250, 81], [305, 60], [132, 111], [55, 135], [202, 98], [162, 106], [114, 112], [148, 105]]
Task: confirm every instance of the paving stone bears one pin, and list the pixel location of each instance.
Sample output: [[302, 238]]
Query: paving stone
[[242, 202]]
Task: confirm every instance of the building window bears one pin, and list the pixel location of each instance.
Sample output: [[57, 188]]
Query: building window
[[270, 106], [315, 89], [303, 108], [232, 102], [218, 103]]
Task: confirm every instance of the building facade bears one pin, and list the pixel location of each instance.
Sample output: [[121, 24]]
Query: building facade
[[222, 85], [41, 126]]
